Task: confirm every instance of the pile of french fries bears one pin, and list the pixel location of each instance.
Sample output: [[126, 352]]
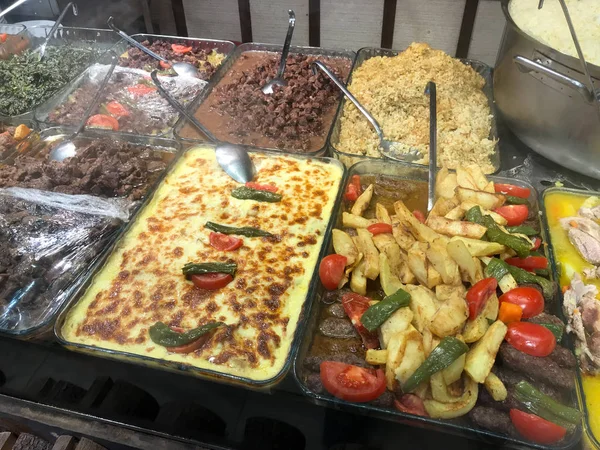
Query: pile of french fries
[[435, 263]]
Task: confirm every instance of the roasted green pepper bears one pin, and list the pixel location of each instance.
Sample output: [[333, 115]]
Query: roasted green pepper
[[242, 231], [381, 311], [496, 268], [544, 406], [246, 193], [523, 229], [522, 276], [474, 215], [212, 267], [162, 334], [511, 199], [447, 351], [557, 330]]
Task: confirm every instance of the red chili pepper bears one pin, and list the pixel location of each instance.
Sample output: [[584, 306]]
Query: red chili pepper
[[530, 263]]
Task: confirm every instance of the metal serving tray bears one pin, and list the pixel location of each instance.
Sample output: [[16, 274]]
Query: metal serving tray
[[369, 52], [101, 40], [592, 438], [461, 427], [7, 50], [38, 141], [207, 374], [256, 47]]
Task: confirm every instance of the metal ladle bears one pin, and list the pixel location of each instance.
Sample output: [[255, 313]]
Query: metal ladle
[[278, 80], [41, 50], [181, 68], [389, 149], [67, 149], [233, 159], [431, 90]]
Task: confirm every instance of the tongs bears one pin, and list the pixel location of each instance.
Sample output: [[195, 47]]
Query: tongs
[[41, 50], [431, 90]]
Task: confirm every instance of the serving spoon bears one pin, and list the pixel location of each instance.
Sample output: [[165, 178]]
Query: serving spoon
[[41, 50], [389, 149], [431, 91], [233, 159], [67, 149], [278, 80], [181, 68]]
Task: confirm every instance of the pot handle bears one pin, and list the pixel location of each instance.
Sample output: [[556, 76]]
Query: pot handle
[[526, 65]]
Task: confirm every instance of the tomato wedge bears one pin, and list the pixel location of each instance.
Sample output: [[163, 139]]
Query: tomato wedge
[[535, 428], [164, 65], [511, 189], [411, 404], [530, 263], [3, 37], [331, 271], [353, 190], [116, 109], [224, 242], [192, 346], [103, 121], [140, 89], [211, 281], [352, 383], [514, 214], [261, 187], [181, 49], [536, 243], [355, 306], [379, 228], [531, 338], [419, 215], [479, 294], [528, 298]]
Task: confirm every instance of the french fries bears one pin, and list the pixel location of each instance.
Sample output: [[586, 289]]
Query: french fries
[[495, 387], [376, 357]]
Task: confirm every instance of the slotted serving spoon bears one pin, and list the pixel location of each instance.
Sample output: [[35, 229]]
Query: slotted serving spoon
[[431, 90], [389, 149], [278, 80], [41, 50], [233, 159], [181, 68], [67, 149]]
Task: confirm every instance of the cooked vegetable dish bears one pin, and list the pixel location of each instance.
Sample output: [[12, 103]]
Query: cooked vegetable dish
[[10, 136]]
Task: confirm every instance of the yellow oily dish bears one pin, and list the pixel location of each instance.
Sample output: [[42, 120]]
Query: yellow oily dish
[[142, 282], [560, 205]]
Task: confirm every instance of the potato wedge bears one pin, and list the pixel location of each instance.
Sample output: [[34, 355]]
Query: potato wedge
[[456, 228], [450, 317], [456, 213], [439, 389], [398, 322], [365, 244], [446, 183], [395, 354], [490, 187], [358, 281], [427, 341], [454, 371], [443, 263], [478, 269], [466, 402], [433, 277], [443, 205], [459, 252], [486, 212], [402, 234], [465, 180], [344, 245], [423, 304], [478, 176], [353, 221], [491, 308], [480, 248], [475, 329], [389, 282], [362, 202], [405, 274], [482, 355], [484, 199], [385, 243], [421, 232], [507, 283], [417, 263], [382, 214], [495, 387], [376, 357], [414, 355], [444, 291]]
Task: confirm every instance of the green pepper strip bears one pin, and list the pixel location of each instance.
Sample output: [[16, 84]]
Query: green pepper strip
[[496, 268], [246, 193], [474, 215], [523, 229], [544, 406], [242, 231], [542, 272], [516, 200], [557, 330], [373, 317], [440, 357], [212, 267], [522, 276], [162, 334]]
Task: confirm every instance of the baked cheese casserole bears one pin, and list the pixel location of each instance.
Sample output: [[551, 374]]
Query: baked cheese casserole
[[256, 313]]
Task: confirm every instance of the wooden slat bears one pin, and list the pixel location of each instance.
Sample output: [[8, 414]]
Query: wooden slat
[[314, 23], [270, 21], [216, 19], [351, 24], [245, 20], [487, 33], [179, 15], [7, 440], [65, 443], [389, 20], [466, 28]]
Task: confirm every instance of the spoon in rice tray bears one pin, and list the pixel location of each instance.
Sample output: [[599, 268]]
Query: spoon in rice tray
[[390, 149], [67, 149], [431, 90], [41, 50], [181, 68], [278, 80], [233, 159]]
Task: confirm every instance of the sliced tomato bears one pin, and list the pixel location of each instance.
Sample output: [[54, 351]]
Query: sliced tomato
[[116, 109], [514, 214], [181, 49], [352, 383], [530, 263], [211, 281], [536, 243], [261, 187], [164, 65], [192, 346], [353, 190], [528, 298], [411, 404], [511, 189], [379, 228], [355, 306], [3, 37], [531, 338], [479, 294], [331, 271], [140, 89], [103, 121], [224, 242], [535, 428], [419, 215]]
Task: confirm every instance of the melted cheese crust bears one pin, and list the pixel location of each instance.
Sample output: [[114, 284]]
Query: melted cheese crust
[[142, 283]]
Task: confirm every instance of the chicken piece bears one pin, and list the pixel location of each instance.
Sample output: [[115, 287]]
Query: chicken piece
[[590, 213], [586, 245], [590, 314], [591, 273]]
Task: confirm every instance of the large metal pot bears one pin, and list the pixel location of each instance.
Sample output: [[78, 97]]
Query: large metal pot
[[544, 98]]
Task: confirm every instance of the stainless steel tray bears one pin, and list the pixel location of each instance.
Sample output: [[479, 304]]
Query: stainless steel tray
[[101, 40], [369, 52], [182, 368], [461, 427], [256, 47]]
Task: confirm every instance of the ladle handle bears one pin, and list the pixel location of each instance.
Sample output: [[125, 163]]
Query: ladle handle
[[347, 93], [287, 43], [431, 90], [178, 106], [112, 26], [11, 7]]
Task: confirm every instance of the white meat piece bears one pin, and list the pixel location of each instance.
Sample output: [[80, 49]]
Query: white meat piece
[[590, 213], [586, 245]]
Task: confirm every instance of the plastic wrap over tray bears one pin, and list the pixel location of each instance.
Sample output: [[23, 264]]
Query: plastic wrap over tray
[[47, 241]]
